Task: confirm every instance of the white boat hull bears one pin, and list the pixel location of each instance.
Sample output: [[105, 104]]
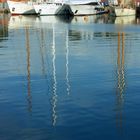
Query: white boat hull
[[20, 8], [83, 8], [52, 9], [124, 12]]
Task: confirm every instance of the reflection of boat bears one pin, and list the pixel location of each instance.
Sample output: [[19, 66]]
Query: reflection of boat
[[21, 21], [88, 19], [125, 20], [64, 18], [83, 19], [35, 21], [89, 7], [20, 7], [55, 19], [52, 8]]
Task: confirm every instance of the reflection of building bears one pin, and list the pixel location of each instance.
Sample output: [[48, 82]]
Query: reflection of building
[[4, 19], [121, 79]]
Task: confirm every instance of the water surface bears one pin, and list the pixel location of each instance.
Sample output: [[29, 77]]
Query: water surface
[[74, 78]]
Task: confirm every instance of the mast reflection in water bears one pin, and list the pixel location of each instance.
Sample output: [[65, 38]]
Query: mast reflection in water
[[54, 86], [4, 25], [29, 97], [121, 79]]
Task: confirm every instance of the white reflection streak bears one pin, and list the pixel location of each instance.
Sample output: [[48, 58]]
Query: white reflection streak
[[42, 50], [54, 98], [67, 63]]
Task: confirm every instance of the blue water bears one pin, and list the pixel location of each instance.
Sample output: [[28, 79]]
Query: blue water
[[69, 78]]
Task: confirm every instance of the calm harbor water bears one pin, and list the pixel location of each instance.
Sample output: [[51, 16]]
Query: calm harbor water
[[69, 78]]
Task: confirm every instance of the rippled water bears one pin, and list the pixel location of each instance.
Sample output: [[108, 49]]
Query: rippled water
[[69, 78]]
